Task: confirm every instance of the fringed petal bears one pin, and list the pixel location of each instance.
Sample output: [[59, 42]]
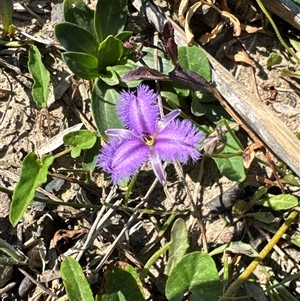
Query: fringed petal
[[180, 140], [139, 112], [122, 158]]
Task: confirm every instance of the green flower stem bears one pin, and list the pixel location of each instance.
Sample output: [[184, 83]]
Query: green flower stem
[[234, 287], [9, 250], [153, 258], [128, 191], [98, 207], [283, 43]]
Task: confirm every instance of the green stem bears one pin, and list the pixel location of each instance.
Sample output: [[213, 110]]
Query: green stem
[[234, 287], [283, 43], [153, 258]]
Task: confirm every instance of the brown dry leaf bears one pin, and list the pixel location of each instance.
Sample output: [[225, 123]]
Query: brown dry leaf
[[211, 35], [251, 29], [249, 154], [233, 22], [243, 57], [182, 10], [64, 235], [188, 33], [237, 54]]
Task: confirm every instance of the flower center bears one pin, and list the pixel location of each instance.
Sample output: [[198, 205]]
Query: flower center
[[148, 139]]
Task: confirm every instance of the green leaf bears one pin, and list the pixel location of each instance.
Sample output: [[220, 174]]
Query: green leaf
[[194, 59], [295, 43], [77, 287], [6, 11], [295, 239], [179, 244], [41, 77], [237, 247], [91, 155], [273, 59], [122, 280], [110, 18], [232, 167], [265, 217], [172, 97], [103, 104], [280, 202], [124, 35], [196, 107], [118, 296], [110, 51], [75, 38], [291, 180], [163, 65], [259, 193], [290, 73], [195, 273], [82, 64], [83, 139], [109, 76], [33, 175], [77, 12], [125, 65]]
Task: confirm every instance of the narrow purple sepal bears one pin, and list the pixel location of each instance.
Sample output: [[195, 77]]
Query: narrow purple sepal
[[157, 167], [163, 122], [121, 133]]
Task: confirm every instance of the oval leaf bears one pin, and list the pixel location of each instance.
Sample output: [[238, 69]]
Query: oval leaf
[[110, 51], [77, 287], [122, 280], [82, 64], [232, 167], [195, 273], [194, 59], [273, 59], [80, 140], [179, 244], [77, 12], [67, 35], [41, 77], [281, 202], [110, 18], [103, 103], [33, 175]]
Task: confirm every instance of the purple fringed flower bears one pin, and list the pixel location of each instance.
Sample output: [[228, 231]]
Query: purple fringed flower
[[147, 137]]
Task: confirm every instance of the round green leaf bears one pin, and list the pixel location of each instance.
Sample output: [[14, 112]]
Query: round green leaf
[[273, 59], [77, 287], [80, 140], [232, 167], [195, 273], [194, 59], [122, 280]]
